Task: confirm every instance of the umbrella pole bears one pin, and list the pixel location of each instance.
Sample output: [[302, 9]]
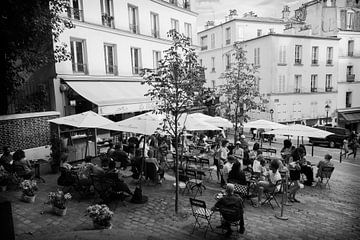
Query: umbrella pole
[[297, 143], [96, 149], [142, 163], [312, 149]]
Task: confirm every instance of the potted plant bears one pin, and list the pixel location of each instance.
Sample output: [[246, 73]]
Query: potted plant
[[58, 201], [101, 216], [28, 187], [4, 179]]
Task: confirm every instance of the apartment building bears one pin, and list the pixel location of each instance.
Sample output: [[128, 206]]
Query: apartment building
[[110, 44], [297, 74], [340, 18], [216, 41]]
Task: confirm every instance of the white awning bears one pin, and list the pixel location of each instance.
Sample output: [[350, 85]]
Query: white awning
[[114, 97]]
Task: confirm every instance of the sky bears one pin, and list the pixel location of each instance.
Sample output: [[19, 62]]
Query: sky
[[218, 9]]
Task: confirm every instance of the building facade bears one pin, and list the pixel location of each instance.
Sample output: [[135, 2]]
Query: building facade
[[216, 41], [297, 75], [110, 44]]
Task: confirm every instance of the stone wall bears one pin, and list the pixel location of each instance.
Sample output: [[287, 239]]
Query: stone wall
[[26, 131]]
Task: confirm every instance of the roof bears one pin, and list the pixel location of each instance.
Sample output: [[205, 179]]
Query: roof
[[292, 36]]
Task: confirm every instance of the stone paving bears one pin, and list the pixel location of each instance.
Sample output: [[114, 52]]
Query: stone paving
[[322, 214]]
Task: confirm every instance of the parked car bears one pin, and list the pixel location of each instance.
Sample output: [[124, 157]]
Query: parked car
[[333, 140]]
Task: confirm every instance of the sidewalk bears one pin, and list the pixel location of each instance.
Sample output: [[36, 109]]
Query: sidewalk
[[322, 214]]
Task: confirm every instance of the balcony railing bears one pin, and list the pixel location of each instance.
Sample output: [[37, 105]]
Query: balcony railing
[[107, 20], [136, 70], [79, 67], [329, 62], [314, 89], [328, 89], [297, 90], [350, 53], [350, 77], [134, 28], [314, 61], [155, 33], [297, 61], [111, 69], [204, 48], [227, 41], [213, 69], [75, 13]]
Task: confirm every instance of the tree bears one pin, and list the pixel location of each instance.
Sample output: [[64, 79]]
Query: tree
[[240, 91], [31, 30], [175, 86]]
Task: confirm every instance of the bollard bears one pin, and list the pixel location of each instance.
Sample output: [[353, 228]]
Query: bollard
[[283, 197]]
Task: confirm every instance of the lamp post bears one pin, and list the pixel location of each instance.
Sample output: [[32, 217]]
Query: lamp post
[[327, 109], [271, 114]]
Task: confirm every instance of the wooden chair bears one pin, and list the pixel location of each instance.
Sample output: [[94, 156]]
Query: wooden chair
[[199, 211], [325, 175]]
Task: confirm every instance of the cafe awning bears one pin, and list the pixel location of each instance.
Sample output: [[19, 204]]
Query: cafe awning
[[349, 115], [114, 97]]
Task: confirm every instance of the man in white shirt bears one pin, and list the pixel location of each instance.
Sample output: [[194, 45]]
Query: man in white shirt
[[227, 167], [269, 185], [238, 152]]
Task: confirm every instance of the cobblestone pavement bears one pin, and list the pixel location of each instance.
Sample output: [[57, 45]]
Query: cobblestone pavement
[[322, 214]]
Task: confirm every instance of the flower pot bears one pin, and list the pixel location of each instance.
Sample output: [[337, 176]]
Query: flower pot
[[28, 199], [3, 188], [59, 211], [98, 225]]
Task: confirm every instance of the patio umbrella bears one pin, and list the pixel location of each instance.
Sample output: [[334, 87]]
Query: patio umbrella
[[261, 123], [193, 123], [87, 119], [300, 131], [216, 121]]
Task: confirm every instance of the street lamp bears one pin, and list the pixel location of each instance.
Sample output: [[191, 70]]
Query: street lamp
[[327, 109], [271, 114]]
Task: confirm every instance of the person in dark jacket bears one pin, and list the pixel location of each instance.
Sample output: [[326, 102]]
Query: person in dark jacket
[[236, 175]]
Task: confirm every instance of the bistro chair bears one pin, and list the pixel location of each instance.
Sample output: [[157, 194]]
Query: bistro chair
[[324, 177], [199, 211], [205, 166], [232, 216], [191, 162], [195, 181], [183, 182], [271, 196]]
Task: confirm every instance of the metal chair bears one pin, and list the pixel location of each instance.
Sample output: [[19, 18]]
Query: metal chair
[[195, 181], [231, 216], [205, 166], [200, 211], [325, 174], [191, 162], [271, 196]]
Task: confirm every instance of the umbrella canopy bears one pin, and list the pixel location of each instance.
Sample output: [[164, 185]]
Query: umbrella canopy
[[261, 123], [300, 130], [217, 121], [194, 123], [147, 124], [87, 119]]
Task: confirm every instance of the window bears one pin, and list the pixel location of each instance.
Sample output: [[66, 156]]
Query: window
[[315, 55], [298, 54], [154, 19], [136, 60], [212, 64], [259, 32], [298, 83], [212, 40], [156, 59], [107, 15], [175, 24], [328, 83], [203, 43], [350, 20], [227, 61], [348, 99], [329, 3], [75, 11], [351, 48], [77, 48], [282, 55], [329, 55], [281, 85], [133, 19], [228, 35], [257, 56], [188, 31], [350, 77], [314, 79], [110, 58]]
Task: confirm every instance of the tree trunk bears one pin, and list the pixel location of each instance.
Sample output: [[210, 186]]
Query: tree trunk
[[3, 101]]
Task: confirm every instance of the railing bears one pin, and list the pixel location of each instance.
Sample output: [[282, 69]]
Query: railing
[[134, 28], [297, 90], [328, 89], [107, 20], [136, 70], [227, 41], [350, 53], [155, 33], [297, 61], [314, 61], [75, 13], [111, 69], [348, 105], [350, 77], [313, 89], [204, 48], [329, 62], [79, 67], [213, 69]]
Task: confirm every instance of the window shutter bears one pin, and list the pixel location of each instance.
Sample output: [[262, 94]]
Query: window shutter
[[343, 19], [357, 21]]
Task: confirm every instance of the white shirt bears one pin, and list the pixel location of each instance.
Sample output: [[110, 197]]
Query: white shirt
[[223, 153], [274, 177], [256, 166], [239, 152], [227, 167]]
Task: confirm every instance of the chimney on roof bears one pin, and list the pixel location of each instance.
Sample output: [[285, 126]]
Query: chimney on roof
[[232, 14], [209, 24], [285, 13]]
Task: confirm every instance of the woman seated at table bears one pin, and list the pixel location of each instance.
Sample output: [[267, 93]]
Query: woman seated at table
[[160, 171], [20, 161], [236, 175], [270, 183]]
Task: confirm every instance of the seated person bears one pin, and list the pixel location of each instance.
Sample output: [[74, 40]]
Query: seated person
[[230, 201], [119, 155], [294, 170], [236, 175], [324, 163], [257, 164], [227, 167], [118, 183], [238, 152], [159, 170], [6, 159], [269, 184], [264, 172], [20, 160]]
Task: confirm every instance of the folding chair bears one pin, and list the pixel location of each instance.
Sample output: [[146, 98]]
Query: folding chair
[[191, 162], [325, 174], [200, 211], [205, 166], [183, 182], [272, 195], [232, 216], [195, 181]]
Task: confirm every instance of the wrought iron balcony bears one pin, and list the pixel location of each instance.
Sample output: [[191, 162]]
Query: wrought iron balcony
[[79, 67], [329, 62], [297, 61], [134, 28], [328, 89], [111, 69], [75, 13], [155, 33], [314, 61], [107, 20], [314, 89], [350, 77], [227, 41]]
